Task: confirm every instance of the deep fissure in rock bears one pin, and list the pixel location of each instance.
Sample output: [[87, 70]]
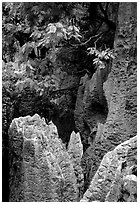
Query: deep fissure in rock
[[83, 106]]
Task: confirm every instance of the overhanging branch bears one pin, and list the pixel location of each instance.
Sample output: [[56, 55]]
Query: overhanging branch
[[91, 38]]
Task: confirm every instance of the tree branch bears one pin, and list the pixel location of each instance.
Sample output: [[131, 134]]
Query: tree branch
[[110, 23], [91, 38]]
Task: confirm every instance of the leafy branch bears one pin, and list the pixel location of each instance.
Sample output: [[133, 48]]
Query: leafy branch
[[100, 57]]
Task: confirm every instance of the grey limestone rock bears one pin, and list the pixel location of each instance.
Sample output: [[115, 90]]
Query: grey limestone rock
[[40, 167], [115, 180], [75, 150], [120, 91]]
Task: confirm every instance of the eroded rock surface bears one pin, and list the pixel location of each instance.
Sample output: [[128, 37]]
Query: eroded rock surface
[[41, 169], [116, 177], [91, 113], [75, 150], [120, 91], [91, 104], [105, 115]]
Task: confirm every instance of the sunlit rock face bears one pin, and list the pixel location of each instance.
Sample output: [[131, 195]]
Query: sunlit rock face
[[116, 177], [40, 166], [75, 150]]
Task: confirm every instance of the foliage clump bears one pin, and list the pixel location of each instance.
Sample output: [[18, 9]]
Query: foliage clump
[[39, 38]]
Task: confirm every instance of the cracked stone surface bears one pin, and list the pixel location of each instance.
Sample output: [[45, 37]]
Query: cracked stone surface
[[75, 150], [116, 177], [120, 90], [41, 169]]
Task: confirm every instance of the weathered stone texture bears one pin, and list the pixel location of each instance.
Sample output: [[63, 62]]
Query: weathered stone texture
[[40, 167], [75, 150], [91, 105], [116, 177], [120, 91], [122, 81], [90, 112]]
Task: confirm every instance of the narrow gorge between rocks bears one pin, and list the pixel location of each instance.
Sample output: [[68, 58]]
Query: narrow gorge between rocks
[[74, 137]]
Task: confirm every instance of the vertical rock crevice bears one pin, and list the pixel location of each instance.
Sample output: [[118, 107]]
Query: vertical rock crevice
[[91, 105], [90, 114], [120, 92], [105, 114]]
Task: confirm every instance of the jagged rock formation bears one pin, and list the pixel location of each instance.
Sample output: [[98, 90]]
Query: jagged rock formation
[[90, 112], [119, 122], [40, 166], [91, 104], [116, 177], [75, 150]]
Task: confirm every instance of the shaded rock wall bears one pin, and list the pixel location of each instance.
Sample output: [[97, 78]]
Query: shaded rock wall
[[40, 167], [91, 104], [120, 88], [116, 177], [120, 91], [65, 102], [90, 113]]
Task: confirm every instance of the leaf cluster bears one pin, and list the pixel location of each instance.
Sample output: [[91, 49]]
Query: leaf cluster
[[100, 56], [57, 31]]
